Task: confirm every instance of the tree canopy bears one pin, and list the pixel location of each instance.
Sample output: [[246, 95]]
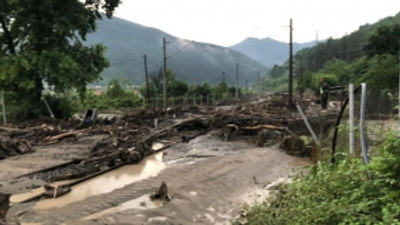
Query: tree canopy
[[368, 55], [41, 46]]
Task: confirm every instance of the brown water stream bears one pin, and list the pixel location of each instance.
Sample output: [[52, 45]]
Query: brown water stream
[[108, 182]]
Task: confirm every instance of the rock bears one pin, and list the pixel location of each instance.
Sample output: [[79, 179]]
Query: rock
[[162, 193], [4, 206]]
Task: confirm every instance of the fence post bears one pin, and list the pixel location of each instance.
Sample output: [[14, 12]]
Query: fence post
[[362, 122], [194, 99], [48, 108], [307, 124], [4, 109], [208, 99], [351, 118]]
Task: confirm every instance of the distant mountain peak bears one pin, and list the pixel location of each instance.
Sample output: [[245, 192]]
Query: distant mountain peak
[[267, 50], [193, 62]]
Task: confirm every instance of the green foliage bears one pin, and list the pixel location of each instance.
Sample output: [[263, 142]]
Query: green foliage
[[274, 84], [62, 106], [352, 58], [200, 90], [338, 67], [331, 79], [220, 89], [378, 38], [115, 97], [381, 74], [385, 40], [348, 192], [115, 89], [278, 71], [41, 44], [175, 87]]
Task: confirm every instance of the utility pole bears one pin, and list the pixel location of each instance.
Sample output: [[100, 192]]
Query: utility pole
[[223, 77], [291, 64], [246, 84], [164, 74], [147, 79], [237, 81]]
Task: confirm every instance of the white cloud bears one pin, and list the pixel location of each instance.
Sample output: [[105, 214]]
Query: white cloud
[[227, 22]]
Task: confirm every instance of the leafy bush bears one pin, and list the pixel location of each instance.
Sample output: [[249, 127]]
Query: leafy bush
[[331, 79], [348, 192], [63, 106], [124, 99]]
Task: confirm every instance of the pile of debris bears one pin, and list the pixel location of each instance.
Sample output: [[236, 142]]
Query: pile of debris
[[131, 137]]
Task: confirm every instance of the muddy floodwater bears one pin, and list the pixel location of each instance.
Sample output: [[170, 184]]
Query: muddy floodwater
[[108, 182], [140, 203]]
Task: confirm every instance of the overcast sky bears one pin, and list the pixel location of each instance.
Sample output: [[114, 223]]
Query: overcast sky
[[228, 22]]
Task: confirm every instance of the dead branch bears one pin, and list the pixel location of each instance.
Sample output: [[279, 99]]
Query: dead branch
[[61, 136]]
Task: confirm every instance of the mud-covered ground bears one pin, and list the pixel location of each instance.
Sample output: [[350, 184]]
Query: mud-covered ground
[[212, 159]]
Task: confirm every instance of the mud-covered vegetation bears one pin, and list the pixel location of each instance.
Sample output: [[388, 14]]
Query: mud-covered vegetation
[[348, 192]]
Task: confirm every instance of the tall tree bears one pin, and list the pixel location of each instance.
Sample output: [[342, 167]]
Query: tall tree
[[41, 45], [384, 40]]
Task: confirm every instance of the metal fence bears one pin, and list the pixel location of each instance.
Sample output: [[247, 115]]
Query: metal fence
[[374, 117]]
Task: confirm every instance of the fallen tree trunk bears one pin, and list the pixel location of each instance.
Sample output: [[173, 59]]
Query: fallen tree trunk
[[264, 126], [61, 136]]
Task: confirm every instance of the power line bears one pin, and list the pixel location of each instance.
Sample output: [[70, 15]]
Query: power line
[[179, 50]]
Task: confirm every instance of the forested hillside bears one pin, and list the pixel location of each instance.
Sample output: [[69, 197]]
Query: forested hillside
[[369, 55], [192, 62], [269, 51], [347, 48]]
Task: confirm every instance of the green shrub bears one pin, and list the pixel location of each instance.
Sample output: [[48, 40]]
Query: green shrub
[[331, 79], [348, 192], [63, 106]]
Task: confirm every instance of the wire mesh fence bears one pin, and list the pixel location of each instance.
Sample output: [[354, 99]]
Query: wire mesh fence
[[380, 118]]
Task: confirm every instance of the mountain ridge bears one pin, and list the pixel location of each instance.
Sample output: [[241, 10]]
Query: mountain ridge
[[269, 51], [193, 62]]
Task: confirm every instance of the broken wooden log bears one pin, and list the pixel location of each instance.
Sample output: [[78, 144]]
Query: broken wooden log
[[61, 136], [264, 126]]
